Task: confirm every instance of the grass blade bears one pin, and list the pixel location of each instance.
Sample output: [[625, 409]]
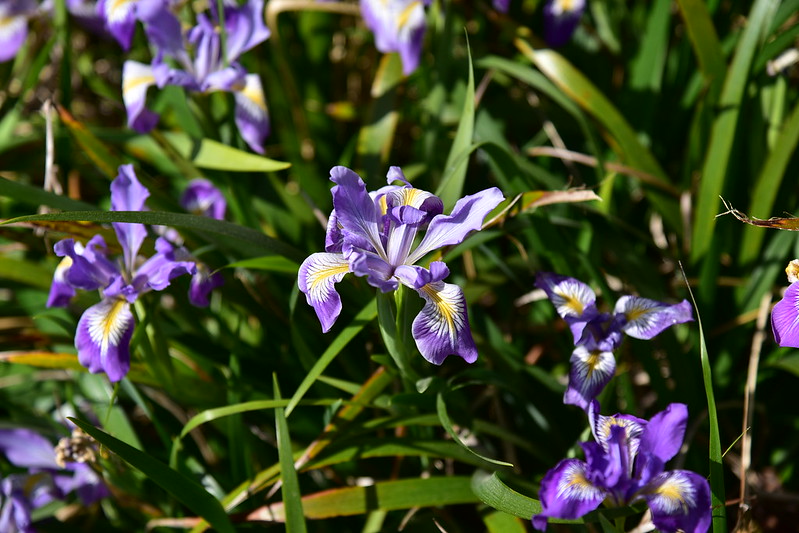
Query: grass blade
[[292, 497]]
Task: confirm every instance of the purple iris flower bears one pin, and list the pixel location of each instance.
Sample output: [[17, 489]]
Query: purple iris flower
[[625, 465], [105, 329], [398, 26], [47, 479], [14, 16], [785, 315], [597, 335], [373, 235], [201, 197], [561, 18], [196, 61], [501, 5]]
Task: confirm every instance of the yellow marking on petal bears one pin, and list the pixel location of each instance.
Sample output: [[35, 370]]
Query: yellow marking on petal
[[593, 361], [410, 195], [566, 5], [62, 267], [130, 84], [406, 14], [636, 313], [383, 205], [108, 322], [255, 96], [317, 276], [117, 4], [572, 303], [444, 307]]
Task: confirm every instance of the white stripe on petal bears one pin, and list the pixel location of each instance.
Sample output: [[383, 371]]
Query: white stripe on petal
[[573, 484], [674, 495], [316, 278], [571, 297], [107, 323]]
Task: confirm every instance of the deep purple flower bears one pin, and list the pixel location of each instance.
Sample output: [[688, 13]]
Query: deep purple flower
[[372, 235], [47, 479], [196, 61], [14, 16], [105, 329], [501, 5], [597, 335], [625, 465], [561, 18], [785, 315], [398, 26]]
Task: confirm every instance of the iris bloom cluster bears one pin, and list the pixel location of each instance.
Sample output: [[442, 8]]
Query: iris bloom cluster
[[105, 329], [785, 315], [51, 475], [398, 26], [624, 465], [198, 59], [597, 335], [374, 235]]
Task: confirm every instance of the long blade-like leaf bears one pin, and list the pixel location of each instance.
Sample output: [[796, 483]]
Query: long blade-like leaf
[[292, 497], [188, 491]]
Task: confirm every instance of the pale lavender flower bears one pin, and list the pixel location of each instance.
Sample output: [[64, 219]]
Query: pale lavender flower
[[624, 465], [561, 18], [398, 26], [105, 329], [373, 235], [14, 16], [196, 61], [597, 335]]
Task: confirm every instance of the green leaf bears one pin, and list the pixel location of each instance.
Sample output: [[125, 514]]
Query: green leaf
[[273, 263], [364, 317], [186, 490], [385, 495], [246, 238], [36, 196], [214, 155], [441, 408], [768, 183], [450, 189], [292, 497], [704, 40], [724, 128], [789, 363], [258, 405], [716, 468], [496, 494], [26, 272], [499, 522]]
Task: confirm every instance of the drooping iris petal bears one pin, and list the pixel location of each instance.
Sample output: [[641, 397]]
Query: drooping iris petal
[[26, 448], [442, 326], [14, 26], [665, 431], [785, 318], [591, 369], [571, 297], [61, 292], [316, 278], [354, 207], [202, 197], [567, 493], [467, 216], [646, 318], [128, 194], [120, 17], [252, 115], [103, 338], [561, 18], [136, 78], [680, 501]]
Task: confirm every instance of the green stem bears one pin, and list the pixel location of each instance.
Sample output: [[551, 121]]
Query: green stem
[[620, 524]]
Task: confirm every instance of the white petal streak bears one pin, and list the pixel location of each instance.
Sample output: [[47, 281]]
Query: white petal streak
[[107, 323], [445, 310], [118, 10], [675, 494], [573, 484], [321, 271], [571, 297]]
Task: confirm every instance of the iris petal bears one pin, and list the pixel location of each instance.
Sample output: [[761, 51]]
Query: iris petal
[[680, 500], [466, 216], [665, 432], [591, 370], [252, 116], [316, 278], [442, 327], [785, 318], [646, 318], [103, 338], [566, 492]]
